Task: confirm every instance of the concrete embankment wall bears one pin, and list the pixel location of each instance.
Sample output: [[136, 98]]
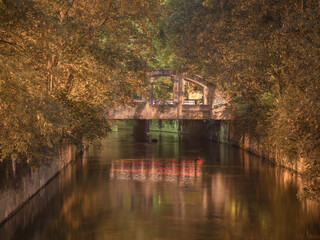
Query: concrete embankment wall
[[20, 181], [222, 131]]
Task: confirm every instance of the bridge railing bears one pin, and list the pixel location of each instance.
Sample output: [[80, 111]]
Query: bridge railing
[[157, 73], [170, 102]]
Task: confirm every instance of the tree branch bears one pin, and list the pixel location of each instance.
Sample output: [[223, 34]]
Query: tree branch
[[107, 18], [4, 41]]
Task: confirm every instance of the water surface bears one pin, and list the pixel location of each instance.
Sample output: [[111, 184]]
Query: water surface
[[177, 188]]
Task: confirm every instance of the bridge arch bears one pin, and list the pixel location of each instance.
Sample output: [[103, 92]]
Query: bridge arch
[[195, 81]]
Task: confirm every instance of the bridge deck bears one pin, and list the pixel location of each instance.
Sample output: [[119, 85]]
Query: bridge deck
[[147, 111]]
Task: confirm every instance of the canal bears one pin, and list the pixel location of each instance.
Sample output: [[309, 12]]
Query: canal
[[176, 188]]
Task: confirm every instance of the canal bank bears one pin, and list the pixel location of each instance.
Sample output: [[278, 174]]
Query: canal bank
[[226, 132], [20, 181]]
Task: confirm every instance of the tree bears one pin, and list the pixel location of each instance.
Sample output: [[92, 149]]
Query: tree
[[62, 63], [264, 54]]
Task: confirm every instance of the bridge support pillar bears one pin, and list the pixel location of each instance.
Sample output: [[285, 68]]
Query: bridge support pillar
[[141, 129], [175, 97], [151, 91], [181, 84], [212, 100], [205, 95]]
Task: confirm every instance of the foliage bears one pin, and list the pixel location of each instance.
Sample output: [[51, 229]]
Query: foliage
[[163, 56], [162, 88], [62, 63], [265, 55]]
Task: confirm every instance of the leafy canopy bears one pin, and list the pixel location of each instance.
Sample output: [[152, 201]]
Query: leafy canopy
[[62, 63]]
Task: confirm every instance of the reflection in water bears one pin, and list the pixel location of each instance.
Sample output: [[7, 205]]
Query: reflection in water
[[175, 189], [157, 170]]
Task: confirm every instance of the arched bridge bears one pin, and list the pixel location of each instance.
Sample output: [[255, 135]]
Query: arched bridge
[[212, 105]]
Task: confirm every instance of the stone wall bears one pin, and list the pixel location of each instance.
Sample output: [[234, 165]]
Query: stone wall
[[19, 181]]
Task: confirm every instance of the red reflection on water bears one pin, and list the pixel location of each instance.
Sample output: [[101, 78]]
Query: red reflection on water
[[156, 169]]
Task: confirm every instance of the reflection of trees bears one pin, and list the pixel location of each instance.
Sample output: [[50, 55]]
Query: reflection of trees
[[240, 193], [230, 195], [241, 199], [266, 197]]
